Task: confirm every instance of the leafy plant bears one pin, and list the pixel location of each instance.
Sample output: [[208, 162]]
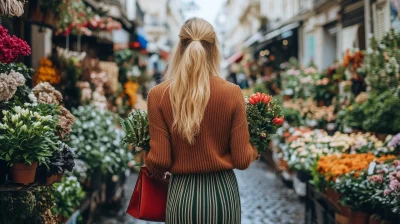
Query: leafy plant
[[98, 140], [136, 127], [381, 64], [68, 196], [62, 160], [356, 192], [27, 136], [382, 112]]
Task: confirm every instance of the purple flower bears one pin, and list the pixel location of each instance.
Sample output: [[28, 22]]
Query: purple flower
[[386, 192], [376, 178], [395, 141]]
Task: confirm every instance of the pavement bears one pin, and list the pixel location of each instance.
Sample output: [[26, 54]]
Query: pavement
[[265, 200]]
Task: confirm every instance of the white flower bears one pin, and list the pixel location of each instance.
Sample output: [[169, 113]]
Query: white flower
[[17, 109], [24, 127], [14, 118], [32, 97], [37, 124]]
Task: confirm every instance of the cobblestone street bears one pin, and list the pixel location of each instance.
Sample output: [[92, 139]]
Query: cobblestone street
[[264, 200]]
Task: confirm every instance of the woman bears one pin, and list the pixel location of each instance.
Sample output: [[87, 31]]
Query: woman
[[198, 132]]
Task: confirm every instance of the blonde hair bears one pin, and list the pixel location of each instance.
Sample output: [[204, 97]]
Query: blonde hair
[[196, 58]]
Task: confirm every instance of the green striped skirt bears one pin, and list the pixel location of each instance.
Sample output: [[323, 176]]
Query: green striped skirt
[[211, 198]]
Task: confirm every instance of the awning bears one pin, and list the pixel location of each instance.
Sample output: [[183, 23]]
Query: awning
[[251, 40], [235, 58], [283, 31], [141, 38]]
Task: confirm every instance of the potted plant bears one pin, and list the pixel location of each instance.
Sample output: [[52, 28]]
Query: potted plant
[[26, 139]]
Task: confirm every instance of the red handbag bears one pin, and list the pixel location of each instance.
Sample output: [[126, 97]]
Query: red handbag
[[149, 199]]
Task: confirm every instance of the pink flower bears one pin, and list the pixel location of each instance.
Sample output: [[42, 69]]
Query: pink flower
[[386, 192], [376, 178], [12, 47], [394, 184]]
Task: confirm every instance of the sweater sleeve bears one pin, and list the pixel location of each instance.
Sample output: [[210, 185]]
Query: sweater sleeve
[[158, 159], [243, 154]]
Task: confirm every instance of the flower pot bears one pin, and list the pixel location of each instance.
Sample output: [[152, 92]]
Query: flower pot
[[3, 171], [59, 177], [341, 219], [23, 174], [358, 217], [51, 180], [41, 175]]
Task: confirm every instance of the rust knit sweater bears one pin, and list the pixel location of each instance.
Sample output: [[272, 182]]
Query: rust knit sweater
[[223, 142]]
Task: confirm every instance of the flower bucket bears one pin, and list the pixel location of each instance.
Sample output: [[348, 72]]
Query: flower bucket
[[23, 174], [59, 177], [341, 219], [303, 176], [3, 171], [51, 180], [358, 217]]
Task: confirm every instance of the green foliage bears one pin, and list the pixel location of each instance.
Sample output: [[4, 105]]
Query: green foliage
[[382, 112], [352, 117], [356, 192], [124, 56], [68, 196], [27, 136], [292, 116], [136, 127], [17, 67], [260, 87], [26, 206], [98, 140], [381, 65]]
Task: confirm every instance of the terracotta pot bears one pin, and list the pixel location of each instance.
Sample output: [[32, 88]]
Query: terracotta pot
[[341, 219], [51, 180], [59, 177], [23, 174], [344, 211], [358, 217]]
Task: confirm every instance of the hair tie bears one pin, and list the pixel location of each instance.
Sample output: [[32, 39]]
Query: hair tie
[[195, 39]]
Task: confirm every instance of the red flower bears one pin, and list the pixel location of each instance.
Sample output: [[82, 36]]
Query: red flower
[[266, 99], [12, 47], [259, 97], [278, 120]]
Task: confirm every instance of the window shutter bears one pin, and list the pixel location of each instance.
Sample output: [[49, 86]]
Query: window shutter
[[381, 18]]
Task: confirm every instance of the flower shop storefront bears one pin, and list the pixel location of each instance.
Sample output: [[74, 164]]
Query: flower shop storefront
[[62, 154], [339, 145]]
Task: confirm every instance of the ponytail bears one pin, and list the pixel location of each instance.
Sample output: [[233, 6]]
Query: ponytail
[[195, 60]]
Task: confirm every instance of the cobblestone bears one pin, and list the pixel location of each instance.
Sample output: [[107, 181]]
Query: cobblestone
[[264, 198]]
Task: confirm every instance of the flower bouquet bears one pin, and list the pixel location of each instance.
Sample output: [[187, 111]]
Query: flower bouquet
[[136, 127], [264, 118]]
